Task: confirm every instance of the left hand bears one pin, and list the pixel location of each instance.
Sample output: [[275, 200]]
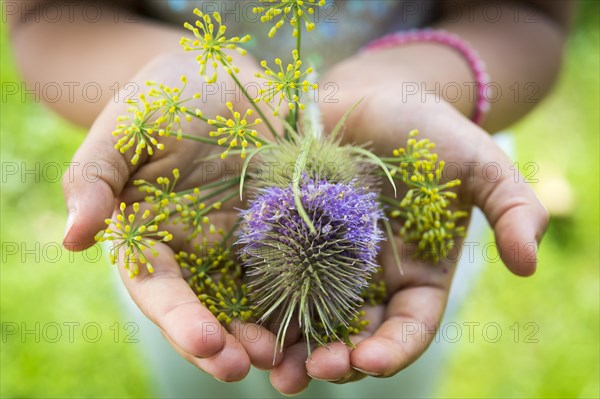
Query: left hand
[[417, 299]]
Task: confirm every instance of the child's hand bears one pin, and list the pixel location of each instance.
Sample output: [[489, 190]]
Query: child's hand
[[101, 178], [401, 330]]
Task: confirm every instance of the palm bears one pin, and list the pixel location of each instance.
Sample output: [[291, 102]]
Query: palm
[[164, 296], [419, 295]]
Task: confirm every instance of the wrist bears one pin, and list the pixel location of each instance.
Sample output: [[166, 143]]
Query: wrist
[[457, 44], [413, 74], [402, 87]]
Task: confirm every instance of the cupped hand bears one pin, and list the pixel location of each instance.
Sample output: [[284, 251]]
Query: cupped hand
[[401, 329], [101, 178]]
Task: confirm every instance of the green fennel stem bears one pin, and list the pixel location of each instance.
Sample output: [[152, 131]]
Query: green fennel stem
[[194, 115], [297, 89], [229, 183], [199, 139], [254, 105]]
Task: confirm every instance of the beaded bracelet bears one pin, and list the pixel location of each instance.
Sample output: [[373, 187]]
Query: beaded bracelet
[[476, 64]]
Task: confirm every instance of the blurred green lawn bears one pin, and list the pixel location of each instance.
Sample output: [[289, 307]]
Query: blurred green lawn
[[48, 286]]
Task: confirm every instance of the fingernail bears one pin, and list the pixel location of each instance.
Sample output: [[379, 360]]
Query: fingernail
[[372, 374], [70, 221], [290, 395], [324, 379]]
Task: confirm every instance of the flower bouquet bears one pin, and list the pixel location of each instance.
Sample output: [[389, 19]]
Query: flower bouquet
[[304, 248]]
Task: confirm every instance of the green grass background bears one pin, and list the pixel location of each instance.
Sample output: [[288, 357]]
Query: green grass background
[[562, 134]]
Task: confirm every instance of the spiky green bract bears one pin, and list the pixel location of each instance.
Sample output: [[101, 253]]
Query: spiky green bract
[[372, 295], [326, 159], [315, 276], [344, 331]]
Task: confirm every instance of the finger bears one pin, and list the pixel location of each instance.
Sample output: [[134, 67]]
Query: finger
[[290, 376], [511, 207], [259, 344], [95, 177], [168, 301], [518, 218], [332, 361], [229, 365], [411, 320], [292, 335]]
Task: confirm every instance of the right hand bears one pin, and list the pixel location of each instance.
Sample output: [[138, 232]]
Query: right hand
[[101, 178]]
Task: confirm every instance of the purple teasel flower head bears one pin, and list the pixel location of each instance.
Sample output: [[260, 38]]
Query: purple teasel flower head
[[316, 275]]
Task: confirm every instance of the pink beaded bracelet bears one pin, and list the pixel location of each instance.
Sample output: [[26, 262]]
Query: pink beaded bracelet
[[476, 64]]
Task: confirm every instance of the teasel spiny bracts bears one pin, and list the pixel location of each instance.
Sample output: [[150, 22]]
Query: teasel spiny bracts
[[315, 275]]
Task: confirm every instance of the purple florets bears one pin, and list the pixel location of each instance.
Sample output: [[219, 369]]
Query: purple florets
[[317, 274]]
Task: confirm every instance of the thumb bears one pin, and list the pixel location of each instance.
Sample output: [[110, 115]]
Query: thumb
[[511, 207], [96, 176]]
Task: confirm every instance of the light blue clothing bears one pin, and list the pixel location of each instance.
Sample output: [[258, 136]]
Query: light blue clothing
[[342, 27]]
